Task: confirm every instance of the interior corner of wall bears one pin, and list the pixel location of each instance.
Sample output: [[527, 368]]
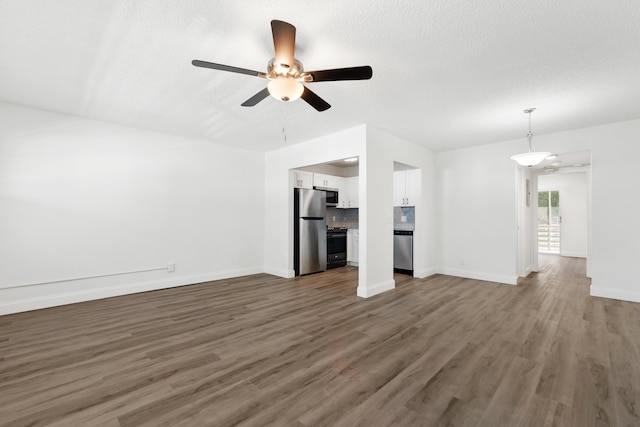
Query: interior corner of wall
[[425, 272]]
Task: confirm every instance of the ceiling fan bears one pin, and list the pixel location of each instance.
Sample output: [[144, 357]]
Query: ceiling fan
[[286, 74]]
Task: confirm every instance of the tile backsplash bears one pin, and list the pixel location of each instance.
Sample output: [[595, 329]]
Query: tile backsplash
[[408, 214], [347, 218]]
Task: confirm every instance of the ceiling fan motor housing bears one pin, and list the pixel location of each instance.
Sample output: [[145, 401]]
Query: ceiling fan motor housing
[[276, 70]]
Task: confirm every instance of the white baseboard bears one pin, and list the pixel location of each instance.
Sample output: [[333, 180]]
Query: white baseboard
[[62, 298], [426, 272], [615, 294], [286, 274], [574, 254], [369, 291], [527, 271], [478, 275]]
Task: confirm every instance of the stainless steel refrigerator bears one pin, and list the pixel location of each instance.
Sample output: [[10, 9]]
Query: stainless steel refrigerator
[[309, 231]]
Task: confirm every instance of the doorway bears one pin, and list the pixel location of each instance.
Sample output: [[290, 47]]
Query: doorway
[[549, 221], [559, 222]]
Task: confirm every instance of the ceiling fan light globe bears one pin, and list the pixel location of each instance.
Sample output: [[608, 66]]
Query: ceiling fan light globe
[[285, 89]]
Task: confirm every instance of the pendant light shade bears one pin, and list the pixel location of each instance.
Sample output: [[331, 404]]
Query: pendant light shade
[[532, 157]]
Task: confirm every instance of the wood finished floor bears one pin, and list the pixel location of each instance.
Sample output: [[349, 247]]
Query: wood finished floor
[[261, 350]]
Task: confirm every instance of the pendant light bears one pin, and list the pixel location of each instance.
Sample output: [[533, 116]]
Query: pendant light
[[532, 157]]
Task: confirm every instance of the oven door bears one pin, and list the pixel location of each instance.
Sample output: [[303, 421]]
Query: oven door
[[336, 249]]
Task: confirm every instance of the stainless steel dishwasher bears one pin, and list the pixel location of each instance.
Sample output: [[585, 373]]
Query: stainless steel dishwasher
[[403, 251]]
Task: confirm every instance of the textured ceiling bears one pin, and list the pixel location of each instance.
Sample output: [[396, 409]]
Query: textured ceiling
[[446, 74]]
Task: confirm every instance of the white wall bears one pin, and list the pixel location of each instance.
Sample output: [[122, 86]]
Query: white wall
[[394, 149], [83, 198], [573, 210], [377, 151], [278, 245], [477, 218], [526, 207], [476, 198]]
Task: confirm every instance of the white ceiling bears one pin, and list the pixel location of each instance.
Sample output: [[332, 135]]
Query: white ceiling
[[446, 74], [562, 162]]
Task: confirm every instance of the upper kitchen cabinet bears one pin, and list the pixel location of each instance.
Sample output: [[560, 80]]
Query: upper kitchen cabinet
[[341, 186], [348, 192], [406, 187], [352, 191], [302, 179], [325, 181]]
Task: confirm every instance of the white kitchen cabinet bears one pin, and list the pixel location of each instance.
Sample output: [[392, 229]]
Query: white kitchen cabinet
[[302, 179], [413, 186], [326, 181], [348, 192], [406, 187], [342, 189], [352, 188], [353, 246]]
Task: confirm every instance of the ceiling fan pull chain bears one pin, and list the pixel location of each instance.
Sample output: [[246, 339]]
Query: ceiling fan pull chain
[[284, 130]]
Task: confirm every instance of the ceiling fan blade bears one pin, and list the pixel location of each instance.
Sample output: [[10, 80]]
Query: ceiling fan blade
[[314, 100], [352, 73], [284, 42], [256, 98], [228, 68]]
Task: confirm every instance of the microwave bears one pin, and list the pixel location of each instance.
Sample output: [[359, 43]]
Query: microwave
[[332, 196]]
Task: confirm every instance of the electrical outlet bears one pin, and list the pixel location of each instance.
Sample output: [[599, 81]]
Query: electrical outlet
[[462, 262], [171, 267]]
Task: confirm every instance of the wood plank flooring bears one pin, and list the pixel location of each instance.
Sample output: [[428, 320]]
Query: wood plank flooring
[[261, 350]]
